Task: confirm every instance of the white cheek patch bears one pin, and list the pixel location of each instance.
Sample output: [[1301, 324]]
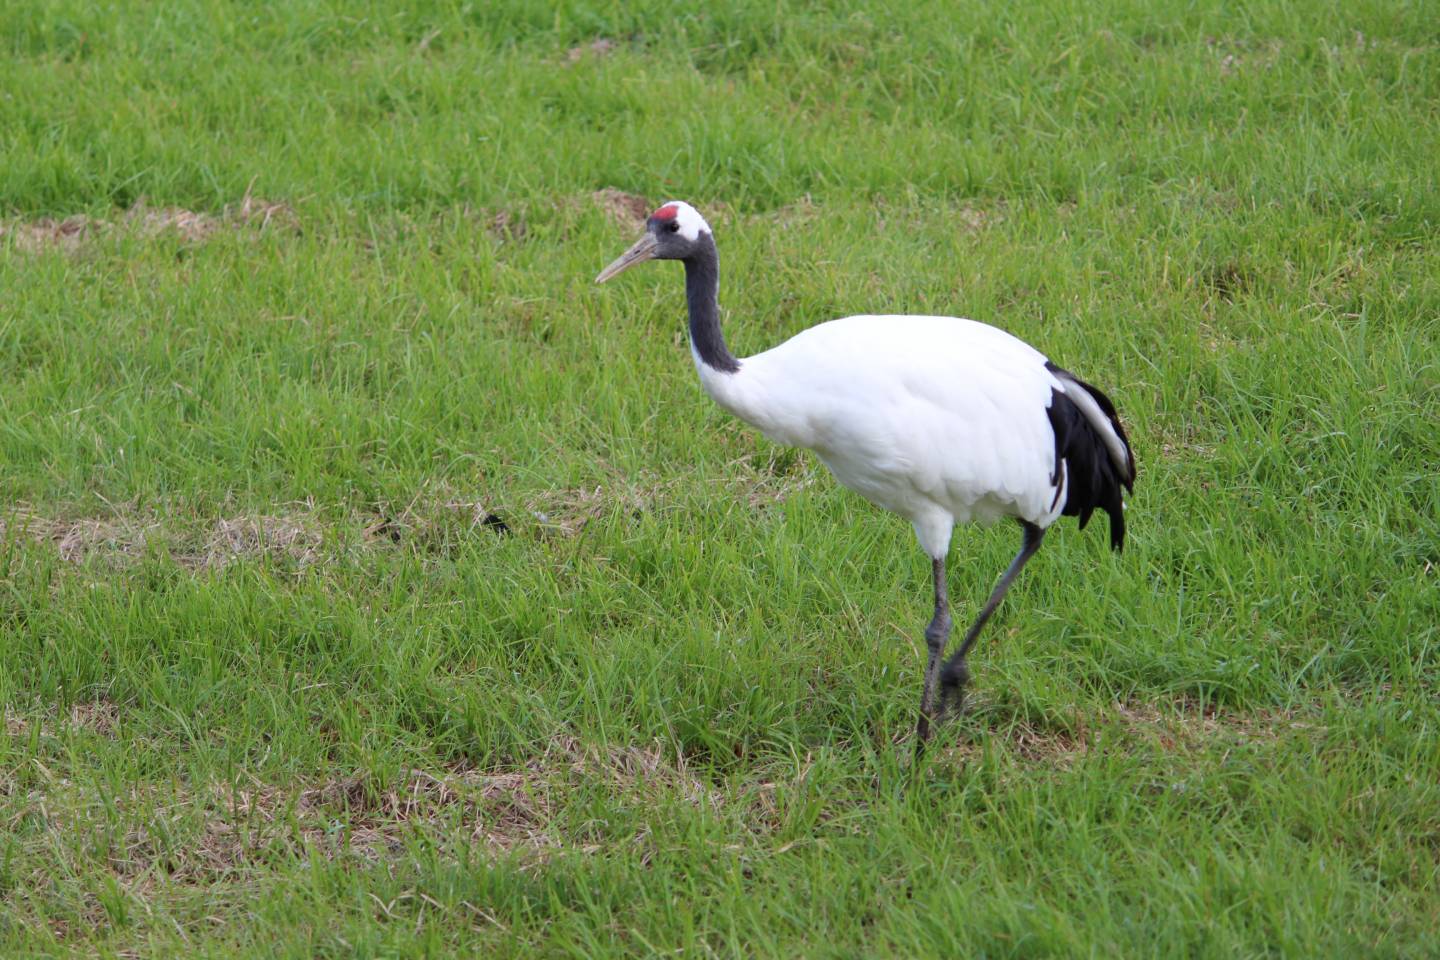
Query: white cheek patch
[[689, 219]]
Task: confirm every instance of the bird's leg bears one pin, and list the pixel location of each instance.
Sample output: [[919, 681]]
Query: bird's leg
[[956, 673], [935, 636]]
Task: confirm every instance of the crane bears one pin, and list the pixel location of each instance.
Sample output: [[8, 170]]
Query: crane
[[940, 420]]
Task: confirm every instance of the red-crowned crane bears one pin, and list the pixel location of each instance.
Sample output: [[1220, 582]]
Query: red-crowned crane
[[938, 419]]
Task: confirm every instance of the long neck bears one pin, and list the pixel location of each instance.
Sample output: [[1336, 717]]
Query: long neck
[[702, 287]]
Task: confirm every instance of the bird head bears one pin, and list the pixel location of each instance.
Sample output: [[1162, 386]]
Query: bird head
[[673, 232]]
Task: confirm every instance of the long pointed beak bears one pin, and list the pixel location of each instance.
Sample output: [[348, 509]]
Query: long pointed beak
[[644, 249]]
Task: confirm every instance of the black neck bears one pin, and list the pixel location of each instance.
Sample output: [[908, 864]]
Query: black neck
[[702, 287]]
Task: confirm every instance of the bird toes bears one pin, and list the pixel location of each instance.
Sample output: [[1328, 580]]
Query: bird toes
[[955, 675], [952, 687]]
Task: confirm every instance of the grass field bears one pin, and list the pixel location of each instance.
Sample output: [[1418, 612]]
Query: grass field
[[375, 585]]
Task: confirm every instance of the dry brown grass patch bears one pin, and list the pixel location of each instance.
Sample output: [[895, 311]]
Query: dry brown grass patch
[[435, 521], [975, 219], [507, 226], [122, 539], [295, 537], [771, 481], [1032, 743], [626, 209], [46, 233], [258, 212], [635, 769], [218, 832], [1238, 54], [568, 511], [799, 213], [599, 47], [506, 812], [99, 717], [192, 226], [1179, 726], [1186, 724]]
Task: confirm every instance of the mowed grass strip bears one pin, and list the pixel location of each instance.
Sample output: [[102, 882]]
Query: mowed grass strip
[[374, 584]]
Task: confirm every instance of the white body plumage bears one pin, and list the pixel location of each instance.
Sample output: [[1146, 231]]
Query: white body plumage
[[938, 419]]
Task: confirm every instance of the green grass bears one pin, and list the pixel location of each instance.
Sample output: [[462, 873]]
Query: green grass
[[272, 687]]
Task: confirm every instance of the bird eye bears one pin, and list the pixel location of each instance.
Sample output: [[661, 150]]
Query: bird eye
[[672, 226]]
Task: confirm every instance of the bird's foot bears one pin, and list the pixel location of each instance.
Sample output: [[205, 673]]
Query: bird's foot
[[953, 680]]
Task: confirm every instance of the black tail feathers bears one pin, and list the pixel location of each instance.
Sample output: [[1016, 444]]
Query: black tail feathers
[[1088, 458]]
